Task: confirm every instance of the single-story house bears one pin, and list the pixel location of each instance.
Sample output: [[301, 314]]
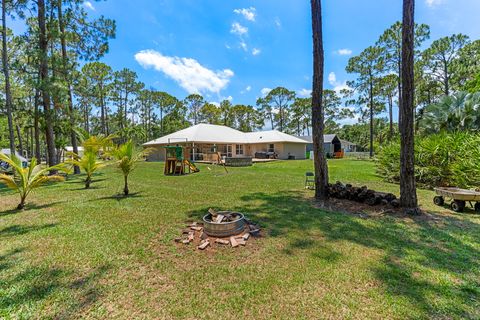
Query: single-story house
[[207, 139], [332, 144]]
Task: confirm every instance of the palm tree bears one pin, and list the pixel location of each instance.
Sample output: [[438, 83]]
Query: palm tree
[[126, 157], [408, 191], [321, 169], [88, 163], [25, 180]]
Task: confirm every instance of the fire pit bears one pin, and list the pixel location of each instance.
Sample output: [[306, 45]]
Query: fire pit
[[223, 223]]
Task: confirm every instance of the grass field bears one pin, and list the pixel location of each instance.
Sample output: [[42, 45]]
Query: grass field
[[93, 254]]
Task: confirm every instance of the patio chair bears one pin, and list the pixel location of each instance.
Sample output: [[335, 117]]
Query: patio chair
[[309, 180]]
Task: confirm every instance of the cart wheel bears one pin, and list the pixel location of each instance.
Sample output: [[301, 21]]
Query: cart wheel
[[438, 200], [458, 205], [477, 207]]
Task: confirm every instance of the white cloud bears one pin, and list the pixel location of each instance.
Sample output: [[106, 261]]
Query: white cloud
[[332, 78], [243, 45], [278, 23], [432, 3], [305, 93], [265, 91], [238, 29], [89, 5], [247, 89], [256, 51], [337, 85], [344, 52], [247, 13], [187, 72]]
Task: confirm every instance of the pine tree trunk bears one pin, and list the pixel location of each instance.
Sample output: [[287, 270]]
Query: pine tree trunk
[[6, 74], [371, 118], [43, 47], [390, 115], [408, 193], [320, 163], [20, 140], [36, 128], [73, 137]]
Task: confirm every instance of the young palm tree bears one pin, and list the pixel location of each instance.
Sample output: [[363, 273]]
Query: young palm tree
[[408, 191], [321, 169], [126, 157], [25, 180], [88, 163]]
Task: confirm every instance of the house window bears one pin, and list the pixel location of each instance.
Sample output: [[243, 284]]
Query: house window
[[271, 148], [239, 149]]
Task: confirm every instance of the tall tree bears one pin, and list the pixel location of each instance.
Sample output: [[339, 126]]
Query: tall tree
[[6, 74], [99, 76], [280, 99], [45, 82], [226, 116], [124, 86], [247, 118], [209, 113], [320, 162], [439, 59], [369, 66], [165, 103], [391, 43], [388, 90], [194, 103], [408, 191]]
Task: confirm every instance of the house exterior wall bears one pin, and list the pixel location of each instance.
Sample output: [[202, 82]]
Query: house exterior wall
[[283, 150], [294, 149]]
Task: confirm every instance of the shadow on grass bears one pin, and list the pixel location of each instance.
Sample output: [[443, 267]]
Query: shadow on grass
[[120, 197], [16, 230], [26, 290], [28, 207], [416, 251]]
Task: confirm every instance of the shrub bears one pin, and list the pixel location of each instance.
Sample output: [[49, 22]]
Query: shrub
[[444, 159]]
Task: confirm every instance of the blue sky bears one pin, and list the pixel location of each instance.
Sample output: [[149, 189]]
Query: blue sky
[[236, 49]]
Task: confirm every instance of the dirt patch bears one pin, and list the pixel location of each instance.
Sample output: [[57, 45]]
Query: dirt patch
[[365, 211]]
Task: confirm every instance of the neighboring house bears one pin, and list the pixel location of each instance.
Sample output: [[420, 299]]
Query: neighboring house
[[4, 166], [333, 145], [207, 139]]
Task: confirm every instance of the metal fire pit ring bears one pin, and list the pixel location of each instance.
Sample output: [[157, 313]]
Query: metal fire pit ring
[[223, 229]]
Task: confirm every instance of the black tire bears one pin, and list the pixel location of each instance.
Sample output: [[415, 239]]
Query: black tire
[[457, 205], [477, 207], [438, 200]]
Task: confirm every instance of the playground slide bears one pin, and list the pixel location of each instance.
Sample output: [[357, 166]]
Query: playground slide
[[192, 166]]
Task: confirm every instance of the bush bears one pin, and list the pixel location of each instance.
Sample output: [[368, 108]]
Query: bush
[[444, 159]]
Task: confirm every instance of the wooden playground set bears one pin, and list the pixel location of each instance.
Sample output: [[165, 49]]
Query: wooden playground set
[[177, 161]]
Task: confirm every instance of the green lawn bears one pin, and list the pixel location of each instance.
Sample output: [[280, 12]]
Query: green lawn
[[92, 254]]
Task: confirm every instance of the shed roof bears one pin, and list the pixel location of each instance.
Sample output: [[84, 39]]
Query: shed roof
[[327, 138], [209, 133]]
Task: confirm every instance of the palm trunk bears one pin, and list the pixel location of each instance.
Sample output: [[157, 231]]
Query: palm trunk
[[88, 181], [43, 50], [408, 192], [6, 74], [125, 188], [73, 137], [21, 205], [320, 163]]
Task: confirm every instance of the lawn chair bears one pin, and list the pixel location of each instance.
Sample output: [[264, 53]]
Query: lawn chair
[[309, 180]]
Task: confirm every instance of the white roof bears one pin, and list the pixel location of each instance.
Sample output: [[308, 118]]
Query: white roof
[[209, 133]]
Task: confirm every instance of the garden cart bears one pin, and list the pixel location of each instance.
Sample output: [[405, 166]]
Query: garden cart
[[459, 198]]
